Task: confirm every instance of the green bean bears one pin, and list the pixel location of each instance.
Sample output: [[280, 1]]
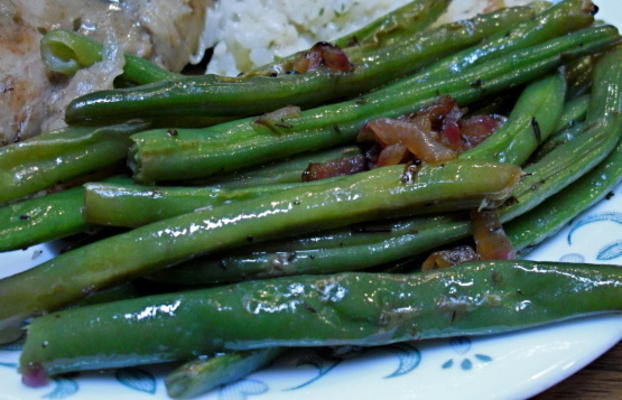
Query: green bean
[[396, 25], [213, 95], [288, 171], [66, 52], [295, 258], [42, 219], [351, 308], [579, 75], [200, 376], [534, 118], [574, 112], [128, 205], [558, 139], [37, 163], [554, 172], [383, 192], [156, 156]]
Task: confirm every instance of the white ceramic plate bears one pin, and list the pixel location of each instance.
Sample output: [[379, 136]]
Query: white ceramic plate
[[511, 366]]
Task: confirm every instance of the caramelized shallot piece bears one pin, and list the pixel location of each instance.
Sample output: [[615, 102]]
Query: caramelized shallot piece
[[323, 54], [449, 258], [338, 167], [477, 128], [490, 239], [436, 134], [392, 155], [416, 135]]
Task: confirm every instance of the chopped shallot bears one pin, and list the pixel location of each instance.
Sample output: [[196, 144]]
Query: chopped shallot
[[338, 167], [323, 54], [449, 258], [436, 134], [490, 239]]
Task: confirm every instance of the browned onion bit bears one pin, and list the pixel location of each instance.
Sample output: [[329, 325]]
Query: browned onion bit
[[338, 167], [323, 54], [449, 258], [436, 134], [490, 239]]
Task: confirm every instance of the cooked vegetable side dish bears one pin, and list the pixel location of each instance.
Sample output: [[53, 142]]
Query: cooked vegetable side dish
[[374, 186]]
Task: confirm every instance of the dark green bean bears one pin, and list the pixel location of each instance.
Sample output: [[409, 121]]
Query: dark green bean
[[351, 308], [203, 375], [131, 206], [574, 112], [396, 26], [42, 219], [42, 161], [156, 156]]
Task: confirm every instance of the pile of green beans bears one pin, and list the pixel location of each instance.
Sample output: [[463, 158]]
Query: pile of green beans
[[236, 210], [156, 156]]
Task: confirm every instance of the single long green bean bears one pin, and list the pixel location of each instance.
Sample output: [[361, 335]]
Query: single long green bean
[[203, 375], [383, 192], [37, 163], [397, 25], [351, 308], [213, 95], [156, 156], [129, 205], [66, 52], [42, 219]]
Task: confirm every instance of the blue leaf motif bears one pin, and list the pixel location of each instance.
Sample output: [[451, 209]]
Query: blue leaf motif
[[448, 364], [322, 365], [483, 357], [572, 258], [409, 358], [610, 252], [8, 364], [461, 345], [137, 379], [466, 364], [63, 388], [241, 390], [590, 219]]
